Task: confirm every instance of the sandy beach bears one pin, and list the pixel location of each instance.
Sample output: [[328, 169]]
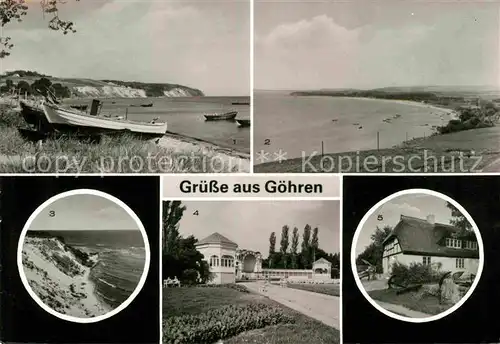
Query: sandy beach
[[409, 102], [66, 288]]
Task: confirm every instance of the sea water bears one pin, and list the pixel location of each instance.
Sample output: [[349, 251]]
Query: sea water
[[184, 116], [306, 125], [121, 261]]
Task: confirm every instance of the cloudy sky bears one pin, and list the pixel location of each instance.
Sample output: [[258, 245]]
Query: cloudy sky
[[204, 44], [416, 205], [363, 44], [250, 223], [84, 212]]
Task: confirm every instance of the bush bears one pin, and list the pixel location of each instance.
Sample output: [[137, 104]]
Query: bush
[[238, 287], [224, 322], [189, 277], [416, 273]]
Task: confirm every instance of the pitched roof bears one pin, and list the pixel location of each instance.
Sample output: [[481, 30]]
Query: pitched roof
[[322, 260], [216, 238], [418, 236]]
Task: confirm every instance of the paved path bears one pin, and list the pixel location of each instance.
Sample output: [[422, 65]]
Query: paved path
[[325, 308], [398, 309]]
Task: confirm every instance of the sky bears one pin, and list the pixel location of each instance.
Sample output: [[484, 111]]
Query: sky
[[250, 223], [84, 212], [367, 44], [198, 43], [416, 205]]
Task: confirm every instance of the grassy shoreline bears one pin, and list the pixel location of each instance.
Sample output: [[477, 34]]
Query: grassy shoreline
[[113, 154], [422, 155]]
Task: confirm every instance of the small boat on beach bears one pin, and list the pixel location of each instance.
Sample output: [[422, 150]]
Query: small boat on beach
[[141, 105], [243, 122], [240, 103], [31, 112], [221, 116], [64, 118]]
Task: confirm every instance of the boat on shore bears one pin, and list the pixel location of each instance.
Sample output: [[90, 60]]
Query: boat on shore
[[71, 119], [80, 107], [221, 116], [240, 103], [141, 105], [243, 122]]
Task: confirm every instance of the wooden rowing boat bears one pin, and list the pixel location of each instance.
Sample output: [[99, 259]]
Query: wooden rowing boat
[[243, 122], [221, 116], [61, 117]]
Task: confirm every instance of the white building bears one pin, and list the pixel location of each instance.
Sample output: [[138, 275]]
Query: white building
[[228, 263], [415, 240], [220, 254]]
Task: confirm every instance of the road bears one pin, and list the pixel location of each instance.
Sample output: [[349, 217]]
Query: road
[[324, 308]]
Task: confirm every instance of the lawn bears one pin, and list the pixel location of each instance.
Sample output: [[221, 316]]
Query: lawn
[[328, 289], [412, 300], [194, 301]]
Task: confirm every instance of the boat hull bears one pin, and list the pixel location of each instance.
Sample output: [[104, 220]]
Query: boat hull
[[223, 117], [64, 119], [243, 122]]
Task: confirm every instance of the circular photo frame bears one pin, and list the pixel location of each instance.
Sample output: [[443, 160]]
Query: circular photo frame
[[88, 264], [425, 263]]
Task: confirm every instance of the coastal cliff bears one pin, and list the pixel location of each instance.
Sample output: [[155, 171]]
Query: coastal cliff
[[27, 82], [59, 275]]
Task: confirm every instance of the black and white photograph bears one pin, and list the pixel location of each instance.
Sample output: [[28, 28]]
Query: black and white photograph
[[80, 259], [417, 256], [376, 86], [83, 256], [164, 81], [251, 271], [409, 248]]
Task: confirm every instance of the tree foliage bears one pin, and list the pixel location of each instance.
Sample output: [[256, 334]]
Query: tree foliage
[[181, 259], [16, 10], [295, 245], [374, 251], [284, 245], [302, 259], [272, 248], [458, 219]]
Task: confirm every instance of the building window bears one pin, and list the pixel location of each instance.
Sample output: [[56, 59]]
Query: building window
[[460, 263], [453, 243], [214, 260], [471, 245], [426, 260], [227, 261]]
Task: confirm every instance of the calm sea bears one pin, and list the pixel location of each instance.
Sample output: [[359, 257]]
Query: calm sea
[[185, 116], [301, 124], [121, 260]]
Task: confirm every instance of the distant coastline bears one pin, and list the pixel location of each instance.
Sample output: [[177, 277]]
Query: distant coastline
[[406, 102]]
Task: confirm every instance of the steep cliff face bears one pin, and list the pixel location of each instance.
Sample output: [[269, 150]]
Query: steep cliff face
[[59, 276], [108, 92], [125, 92]]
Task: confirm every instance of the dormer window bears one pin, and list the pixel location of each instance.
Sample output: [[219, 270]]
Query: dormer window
[[453, 243]]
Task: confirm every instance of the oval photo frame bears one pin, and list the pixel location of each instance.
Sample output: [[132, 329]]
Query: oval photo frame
[[142, 279], [359, 229]]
